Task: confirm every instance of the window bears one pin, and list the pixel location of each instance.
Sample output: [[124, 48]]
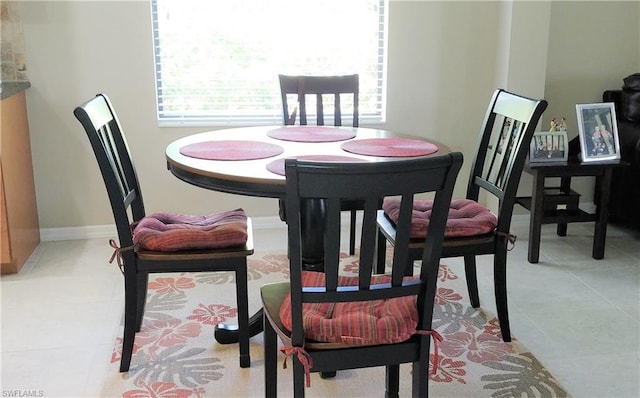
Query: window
[[217, 61]]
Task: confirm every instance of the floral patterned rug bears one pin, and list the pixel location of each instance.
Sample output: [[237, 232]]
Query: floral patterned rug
[[176, 355]]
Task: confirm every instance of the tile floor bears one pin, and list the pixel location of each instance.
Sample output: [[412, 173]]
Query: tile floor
[[579, 316]]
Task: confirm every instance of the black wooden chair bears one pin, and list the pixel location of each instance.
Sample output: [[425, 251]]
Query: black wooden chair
[[335, 93], [224, 246], [288, 303], [503, 146]]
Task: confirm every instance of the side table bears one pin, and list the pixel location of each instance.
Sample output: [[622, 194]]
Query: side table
[[559, 204]]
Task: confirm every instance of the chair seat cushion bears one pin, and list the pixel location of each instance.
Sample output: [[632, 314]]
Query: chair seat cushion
[[174, 231], [359, 323], [466, 217]]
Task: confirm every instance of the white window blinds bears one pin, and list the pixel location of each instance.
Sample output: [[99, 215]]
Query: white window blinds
[[217, 61]]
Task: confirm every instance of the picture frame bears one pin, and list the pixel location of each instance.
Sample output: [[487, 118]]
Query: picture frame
[[549, 146], [598, 132]]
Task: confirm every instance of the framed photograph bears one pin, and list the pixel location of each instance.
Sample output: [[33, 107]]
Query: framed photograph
[[598, 132], [549, 146]]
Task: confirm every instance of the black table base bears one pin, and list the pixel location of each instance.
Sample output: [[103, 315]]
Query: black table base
[[227, 333]]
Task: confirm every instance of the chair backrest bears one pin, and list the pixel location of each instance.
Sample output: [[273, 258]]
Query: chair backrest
[[502, 149], [114, 159], [340, 92], [335, 182]]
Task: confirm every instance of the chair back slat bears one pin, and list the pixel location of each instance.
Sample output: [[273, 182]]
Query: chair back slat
[[502, 149], [332, 243], [338, 93], [116, 166], [368, 239], [334, 182], [112, 155]]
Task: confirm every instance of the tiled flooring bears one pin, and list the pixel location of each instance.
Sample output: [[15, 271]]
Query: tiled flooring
[[579, 316]]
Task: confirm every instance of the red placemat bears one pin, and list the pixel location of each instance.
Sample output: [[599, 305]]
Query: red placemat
[[311, 134], [277, 166], [231, 150], [392, 147]]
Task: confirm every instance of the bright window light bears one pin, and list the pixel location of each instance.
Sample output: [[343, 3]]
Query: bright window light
[[218, 61]]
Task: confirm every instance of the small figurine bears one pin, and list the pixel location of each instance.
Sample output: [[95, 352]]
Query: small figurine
[[554, 124], [563, 124]]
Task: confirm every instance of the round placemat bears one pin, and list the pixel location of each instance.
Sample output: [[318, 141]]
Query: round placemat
[[231, 150], [392, 147], [277, 166], [311, 134]]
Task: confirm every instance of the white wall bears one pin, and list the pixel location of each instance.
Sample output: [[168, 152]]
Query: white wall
[[443, 63], [592, 47]]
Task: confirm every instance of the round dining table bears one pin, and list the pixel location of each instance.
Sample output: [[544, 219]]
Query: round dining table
[[245, 160], [250, 161]]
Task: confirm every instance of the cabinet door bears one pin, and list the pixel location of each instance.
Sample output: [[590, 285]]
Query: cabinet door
[[5, 246], [21, 213]]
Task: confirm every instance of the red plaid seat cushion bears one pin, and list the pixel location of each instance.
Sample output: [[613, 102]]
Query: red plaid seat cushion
[[174, 232], [466, 217], [360, 323]]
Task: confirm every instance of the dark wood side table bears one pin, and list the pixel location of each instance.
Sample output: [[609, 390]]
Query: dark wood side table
[[559, 204]]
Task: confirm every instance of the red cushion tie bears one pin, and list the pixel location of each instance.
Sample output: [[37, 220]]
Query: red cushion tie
[[117, 254], [437, 337], [509, 239], [304, 358]]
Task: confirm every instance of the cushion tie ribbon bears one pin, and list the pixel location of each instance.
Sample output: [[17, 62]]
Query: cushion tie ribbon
[[509, 239], [437, 337], [304, 358], [117, 254]]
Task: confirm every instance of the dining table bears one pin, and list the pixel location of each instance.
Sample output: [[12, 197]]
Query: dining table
[[250, 161]]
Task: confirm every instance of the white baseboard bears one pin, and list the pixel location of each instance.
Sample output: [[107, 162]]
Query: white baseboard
[[109, 231], [73, 233]]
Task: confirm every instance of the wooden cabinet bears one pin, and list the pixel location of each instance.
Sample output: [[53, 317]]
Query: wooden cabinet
[[20, 231]]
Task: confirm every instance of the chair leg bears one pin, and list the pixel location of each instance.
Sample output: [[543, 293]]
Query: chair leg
[[352, 234], [472, 280], [270, 360], [420, 377], [282, 210], [243, 314], [500, 287], [420, 369], [131, 306], [299, 378], [142, 283], [392, 373]]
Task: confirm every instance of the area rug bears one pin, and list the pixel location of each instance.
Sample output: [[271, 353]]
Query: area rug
[[176, 355]]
